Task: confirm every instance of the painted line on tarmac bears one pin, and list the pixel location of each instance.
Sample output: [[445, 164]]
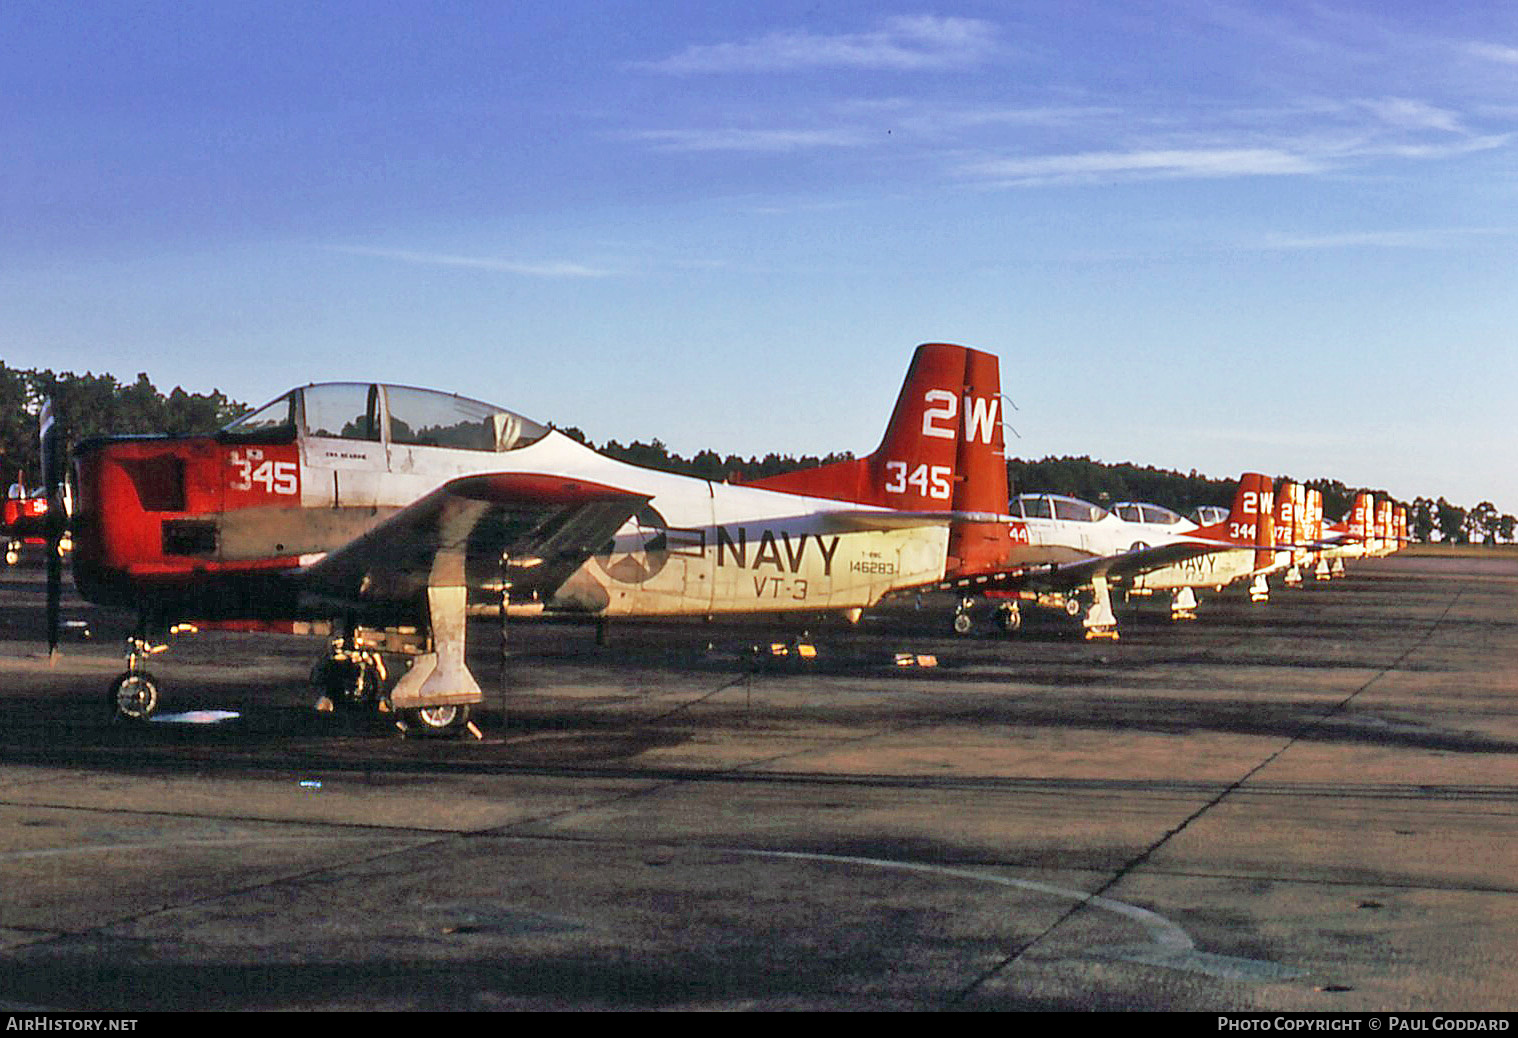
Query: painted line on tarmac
[[1168, 945]]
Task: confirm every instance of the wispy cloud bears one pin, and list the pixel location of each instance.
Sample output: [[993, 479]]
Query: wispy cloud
[[1493, 52], [550, 269], [1309, 139], [1404, 113], [916, 43], [1427, 238], [1152, 164], [751, 140]]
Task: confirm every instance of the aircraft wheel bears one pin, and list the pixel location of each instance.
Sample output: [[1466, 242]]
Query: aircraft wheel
[[439, 718], [1009, 618], [12, 557], [1073, 606], [135, 695], [962, 623]]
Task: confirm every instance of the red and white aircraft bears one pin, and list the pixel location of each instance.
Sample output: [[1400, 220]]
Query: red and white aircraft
[[1350, 537], [387, 508], [24, 519], [1068, 554], [1052, 550], [1245, 530]]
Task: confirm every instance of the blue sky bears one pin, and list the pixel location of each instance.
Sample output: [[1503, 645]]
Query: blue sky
[[1216, 235]]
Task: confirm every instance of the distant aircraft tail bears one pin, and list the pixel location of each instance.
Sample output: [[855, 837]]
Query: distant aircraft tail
[[942, 452], [1312, 524], [1251, 520], [1362, 517], [1288, 520]]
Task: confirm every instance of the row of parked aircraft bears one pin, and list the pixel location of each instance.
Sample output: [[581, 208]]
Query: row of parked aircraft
[[392, 512]]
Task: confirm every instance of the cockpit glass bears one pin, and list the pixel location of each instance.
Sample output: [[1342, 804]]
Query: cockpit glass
[[1075, 510], [1036, 506], [345, 410], [270, 420], [1129, 513], [1160, 515], [426, 418]]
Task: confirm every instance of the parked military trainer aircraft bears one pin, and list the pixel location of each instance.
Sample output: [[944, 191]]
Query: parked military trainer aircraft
[[384, 508], [1070, 553], [25, 519]]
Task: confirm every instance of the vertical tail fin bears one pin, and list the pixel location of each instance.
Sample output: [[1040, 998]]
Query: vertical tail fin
[[1251, 521], [1312, 526], [1290, 498], [942, 451], [1361, 517]]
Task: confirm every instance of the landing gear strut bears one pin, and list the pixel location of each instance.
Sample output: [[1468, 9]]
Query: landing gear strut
[[1100, 621], [437, 691]]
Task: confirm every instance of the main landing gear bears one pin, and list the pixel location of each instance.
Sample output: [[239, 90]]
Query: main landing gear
[[349, 677], [433, 696], [1009, 618], [134, 694], [436, 693]]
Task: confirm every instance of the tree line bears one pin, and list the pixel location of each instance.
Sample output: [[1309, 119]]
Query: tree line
[[96, 405], [93, 405]]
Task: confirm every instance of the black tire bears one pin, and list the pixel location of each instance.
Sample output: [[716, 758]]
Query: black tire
[[439, 718], [134, 696]]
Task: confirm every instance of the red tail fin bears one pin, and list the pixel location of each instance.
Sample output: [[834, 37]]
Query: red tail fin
[[1290, 502], [1312, 527], [1361, 516], [942, 451], [1251, 521]]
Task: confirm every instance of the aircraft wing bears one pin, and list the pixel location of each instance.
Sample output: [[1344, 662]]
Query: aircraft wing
[[1067, 576], [895, 519], [546, 526]]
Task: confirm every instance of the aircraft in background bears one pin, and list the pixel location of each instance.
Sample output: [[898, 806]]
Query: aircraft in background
[[1068, 554], [33, 516], [1349, 538], [24, 519], [1247, 528], [385, 509], [1051, 550]]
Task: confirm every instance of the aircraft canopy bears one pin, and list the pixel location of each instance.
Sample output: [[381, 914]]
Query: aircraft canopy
[[1055, 506], [400, 415], [1146, 513]]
